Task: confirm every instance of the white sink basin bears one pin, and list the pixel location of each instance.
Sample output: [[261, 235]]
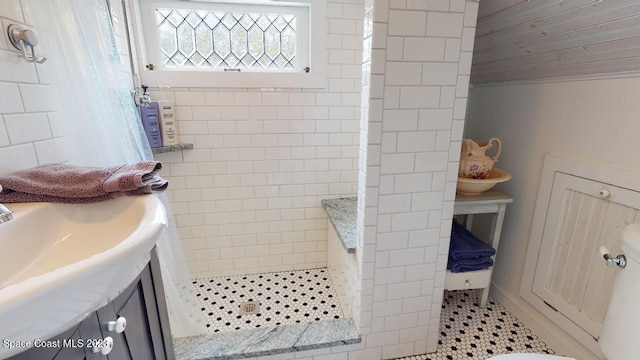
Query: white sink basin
[[60, 262]]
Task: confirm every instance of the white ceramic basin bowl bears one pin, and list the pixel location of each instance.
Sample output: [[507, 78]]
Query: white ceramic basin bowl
[[477, 186], [60, 262]]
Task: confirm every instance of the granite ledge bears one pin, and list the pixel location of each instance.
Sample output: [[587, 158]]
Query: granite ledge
[[342, 213], [267, 341], [171, 148]]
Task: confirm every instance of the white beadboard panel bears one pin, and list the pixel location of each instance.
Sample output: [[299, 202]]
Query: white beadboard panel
[[571, 275], [614, 30], [511, 15], [622, 49], [580, 280], [493, 7], [521, 40]]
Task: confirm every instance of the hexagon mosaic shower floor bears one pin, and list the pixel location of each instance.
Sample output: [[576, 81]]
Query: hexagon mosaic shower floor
[[285, 298], [466, 331]]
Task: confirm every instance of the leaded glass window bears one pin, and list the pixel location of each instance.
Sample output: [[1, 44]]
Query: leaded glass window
[[190, 38]]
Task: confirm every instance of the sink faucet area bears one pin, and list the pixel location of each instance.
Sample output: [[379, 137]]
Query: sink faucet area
[[61, 262], [5, 213]]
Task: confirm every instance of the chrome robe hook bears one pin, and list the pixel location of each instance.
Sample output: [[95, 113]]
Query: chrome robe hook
[[23, 38]]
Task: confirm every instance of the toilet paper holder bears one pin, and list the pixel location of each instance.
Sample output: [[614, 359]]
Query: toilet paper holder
[[619, 260]]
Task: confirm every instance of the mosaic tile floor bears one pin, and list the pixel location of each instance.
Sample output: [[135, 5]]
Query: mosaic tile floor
[[466, 331], [471, 333], [285, 298]]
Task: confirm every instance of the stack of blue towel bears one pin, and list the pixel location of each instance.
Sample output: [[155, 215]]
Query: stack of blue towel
[[467, 252]]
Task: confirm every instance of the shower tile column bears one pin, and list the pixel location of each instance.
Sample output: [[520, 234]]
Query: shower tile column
[[415, 84]]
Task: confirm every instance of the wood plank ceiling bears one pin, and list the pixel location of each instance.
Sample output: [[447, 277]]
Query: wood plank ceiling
[[540, 39]]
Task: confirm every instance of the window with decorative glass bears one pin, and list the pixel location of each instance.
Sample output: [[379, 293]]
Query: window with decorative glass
[[257, 39]]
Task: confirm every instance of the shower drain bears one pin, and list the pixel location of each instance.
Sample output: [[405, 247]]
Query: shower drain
[[249, 308]]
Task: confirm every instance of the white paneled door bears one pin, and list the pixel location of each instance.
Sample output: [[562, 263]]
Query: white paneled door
[[571, 276]]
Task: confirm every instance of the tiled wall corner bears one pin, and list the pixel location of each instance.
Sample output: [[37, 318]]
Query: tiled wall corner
[[29, 132], [247, 197], [415, 86]]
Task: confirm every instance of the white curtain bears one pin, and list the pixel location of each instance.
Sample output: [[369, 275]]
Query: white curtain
[[96, 110], [99, 121]]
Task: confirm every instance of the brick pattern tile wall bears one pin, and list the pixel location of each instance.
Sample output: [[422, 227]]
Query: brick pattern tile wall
[[29, 128], [247, 198], [264, 159], [418, 70]]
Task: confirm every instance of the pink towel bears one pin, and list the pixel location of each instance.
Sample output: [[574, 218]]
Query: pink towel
[[80, 184]]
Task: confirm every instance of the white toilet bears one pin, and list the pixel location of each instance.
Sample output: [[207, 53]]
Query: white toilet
[[619, 339]]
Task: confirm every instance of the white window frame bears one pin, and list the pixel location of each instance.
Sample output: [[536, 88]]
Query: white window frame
[[314, 33]]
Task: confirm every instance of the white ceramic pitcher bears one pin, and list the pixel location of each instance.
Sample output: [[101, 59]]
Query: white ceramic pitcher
[[474, 162]]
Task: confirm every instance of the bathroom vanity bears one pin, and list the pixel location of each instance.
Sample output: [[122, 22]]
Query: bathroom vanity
[[61, 263], [133, 326]]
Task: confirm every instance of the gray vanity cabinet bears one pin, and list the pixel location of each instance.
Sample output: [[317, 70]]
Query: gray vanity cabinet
[[70, 345], [143, 336], [72, 352], [146, 335], [88, 330], [56, 352]]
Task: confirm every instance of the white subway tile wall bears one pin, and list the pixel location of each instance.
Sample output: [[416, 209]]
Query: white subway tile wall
[[415, 87], [247, 198], [28, 133]]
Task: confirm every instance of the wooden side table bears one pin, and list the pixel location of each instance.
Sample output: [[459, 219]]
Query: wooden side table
[[490, 202]]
